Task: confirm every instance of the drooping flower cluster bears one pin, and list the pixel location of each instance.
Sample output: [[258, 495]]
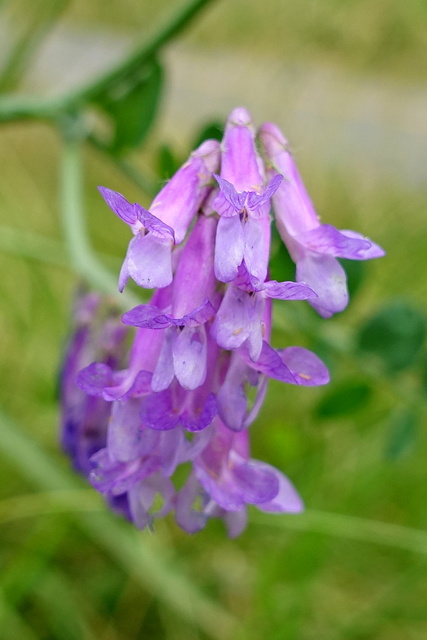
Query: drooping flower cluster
[[201, 346]]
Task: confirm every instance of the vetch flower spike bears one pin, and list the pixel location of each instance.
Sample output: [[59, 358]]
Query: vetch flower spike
[[176, 407]]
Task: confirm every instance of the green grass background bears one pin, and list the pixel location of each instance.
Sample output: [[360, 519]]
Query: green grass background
[[69, 569]]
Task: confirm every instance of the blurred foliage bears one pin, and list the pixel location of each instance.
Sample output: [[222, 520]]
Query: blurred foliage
[[69, 568]]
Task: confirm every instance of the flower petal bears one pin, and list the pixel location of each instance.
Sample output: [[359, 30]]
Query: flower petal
[[149, 261], [286, 500], [229, 248], [121, 207], [288, 290], [327, 278], [306, 367], [189, 356], [327, 240]]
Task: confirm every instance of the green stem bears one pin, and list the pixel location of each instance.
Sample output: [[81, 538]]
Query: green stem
[[80, 251], [144, 558], [17, 108], [350, 527]]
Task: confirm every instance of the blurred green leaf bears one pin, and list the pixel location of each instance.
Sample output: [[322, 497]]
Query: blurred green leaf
[[211, 130], [132, 104], [167, 162], [395, 334], [344, 399], [355, 270], [281, 266], [402, 434]]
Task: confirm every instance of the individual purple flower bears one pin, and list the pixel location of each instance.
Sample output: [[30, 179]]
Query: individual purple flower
[[85, 418], [226, 479], [313, 246], [242, 202], [193, 303], [148, 260], [188, 388]]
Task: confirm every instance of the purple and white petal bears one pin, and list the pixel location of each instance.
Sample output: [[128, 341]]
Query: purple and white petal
[[327, 278], [149, 261], [189, 356], [229, 248], [164, 371]]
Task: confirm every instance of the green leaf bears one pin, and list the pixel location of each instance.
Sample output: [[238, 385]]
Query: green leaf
[[132, 104], [355, 270], [344, 399], [167, 162], [395, 334], [402, 434], [211, 130], [281, 266]]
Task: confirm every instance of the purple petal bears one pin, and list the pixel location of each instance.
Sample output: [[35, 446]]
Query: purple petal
[[232, 197], [189, 357], [229, 248], [158, 412], [270, 364], [235, 521], [124, 275], [256, 201], [147, 316], [255, 249], [153, 224], [120, 206], [149, 261], [256, 483], [327, 278], [95, 378], [287, 499], [187, 517], [123, 431], [238, 317], [288, 290], [201, 416], [307, 368], [164, 371], [231, 397], [374, 251], [327, 240], [198, 316]]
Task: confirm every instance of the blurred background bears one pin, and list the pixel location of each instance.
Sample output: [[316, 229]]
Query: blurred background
[[346, 81]]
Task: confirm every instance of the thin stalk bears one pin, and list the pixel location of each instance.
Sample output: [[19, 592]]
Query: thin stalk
[[18, 108], [76, 236], [144, 558]]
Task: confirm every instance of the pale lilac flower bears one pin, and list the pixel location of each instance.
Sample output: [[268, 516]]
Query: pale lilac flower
[[242, 202], [148, 260], [188, 388], [313, 246], [226, 479]]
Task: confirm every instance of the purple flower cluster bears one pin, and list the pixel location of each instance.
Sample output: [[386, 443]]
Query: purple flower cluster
[[195, 376]]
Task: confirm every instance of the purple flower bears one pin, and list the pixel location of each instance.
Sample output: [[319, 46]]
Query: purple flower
[[227, 479], [188, 388], [313, 246], [148, 260], [242, 202]]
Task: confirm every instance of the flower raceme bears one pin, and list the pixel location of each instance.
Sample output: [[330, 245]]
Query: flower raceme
[[195, 377]]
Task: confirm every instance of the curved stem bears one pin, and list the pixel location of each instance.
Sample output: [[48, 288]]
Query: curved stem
[[350, 527], [76, 237], [17, 108]]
